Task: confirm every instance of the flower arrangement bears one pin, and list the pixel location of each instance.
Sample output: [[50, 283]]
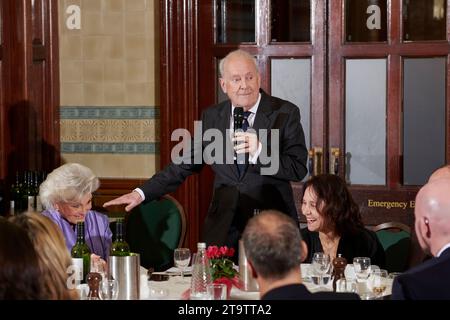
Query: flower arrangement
[[221, 265]]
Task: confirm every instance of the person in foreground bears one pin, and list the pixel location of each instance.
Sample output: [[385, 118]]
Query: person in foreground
[[66, 195], [275, 250], [238, 190], [431, 279], [334, 222], [20, 277], [442, 172], [54, 260]]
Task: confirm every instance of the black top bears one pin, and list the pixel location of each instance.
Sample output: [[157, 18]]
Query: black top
[[364, 243], [300, 292]]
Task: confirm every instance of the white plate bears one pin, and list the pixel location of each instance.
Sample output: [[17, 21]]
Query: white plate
[[175, 270]]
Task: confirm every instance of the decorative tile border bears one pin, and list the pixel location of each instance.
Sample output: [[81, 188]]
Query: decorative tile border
[[121, 148], [114, 130], [110, 130], [139, 112]]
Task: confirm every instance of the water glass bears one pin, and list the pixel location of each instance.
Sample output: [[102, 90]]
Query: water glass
[[83, 290], [344, 285], [217, 291], [362, 268], [377, 282], [109, 289], [181, 258], [321, 267]]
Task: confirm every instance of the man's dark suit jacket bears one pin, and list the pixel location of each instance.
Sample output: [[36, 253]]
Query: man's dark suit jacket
[[300, 292], [429, 280], [242, 194]]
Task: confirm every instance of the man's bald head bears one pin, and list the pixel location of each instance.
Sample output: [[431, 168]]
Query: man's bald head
[[432, 214], [442, 172]]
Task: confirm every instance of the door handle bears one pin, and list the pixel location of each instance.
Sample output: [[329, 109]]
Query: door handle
[[315, 161], [334, 161]]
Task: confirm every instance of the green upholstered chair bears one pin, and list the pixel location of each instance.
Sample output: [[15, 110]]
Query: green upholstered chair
[[154, 230], [395, 237]]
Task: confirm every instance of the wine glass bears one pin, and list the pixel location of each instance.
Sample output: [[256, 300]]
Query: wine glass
[[321, 265], [362, 268], [377, 281], [181, 257], [109, 289]]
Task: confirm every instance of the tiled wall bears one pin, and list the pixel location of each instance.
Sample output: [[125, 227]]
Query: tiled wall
[[109, 98]]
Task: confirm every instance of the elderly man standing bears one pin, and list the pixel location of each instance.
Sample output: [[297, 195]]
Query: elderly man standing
[[431, 279], [239, 188]]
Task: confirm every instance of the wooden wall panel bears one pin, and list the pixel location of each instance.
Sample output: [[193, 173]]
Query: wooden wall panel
[[30, 82]]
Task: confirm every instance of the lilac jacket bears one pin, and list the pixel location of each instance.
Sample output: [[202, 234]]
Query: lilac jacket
[[98, 236]]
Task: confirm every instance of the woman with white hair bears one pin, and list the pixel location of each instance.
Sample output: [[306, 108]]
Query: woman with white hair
[[66, 195]]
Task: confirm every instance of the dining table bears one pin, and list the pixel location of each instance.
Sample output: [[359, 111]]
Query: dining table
[[169, 285]]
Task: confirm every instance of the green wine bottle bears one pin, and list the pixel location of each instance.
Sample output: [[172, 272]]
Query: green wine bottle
[[81, 254], [120, 247]]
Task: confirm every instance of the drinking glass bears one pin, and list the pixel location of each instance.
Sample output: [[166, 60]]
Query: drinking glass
[[362, 268], [217, 291], [109, 289], [181, 257], [392, 275], [377, 282], [321, 265]]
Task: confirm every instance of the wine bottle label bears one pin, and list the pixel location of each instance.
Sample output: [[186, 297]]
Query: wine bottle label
[[78, 266], [30, 206]]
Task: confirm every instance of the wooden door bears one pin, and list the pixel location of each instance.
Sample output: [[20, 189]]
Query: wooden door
[[29, 109]]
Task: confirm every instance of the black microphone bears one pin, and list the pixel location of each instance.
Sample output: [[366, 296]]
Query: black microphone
[[238, 117]]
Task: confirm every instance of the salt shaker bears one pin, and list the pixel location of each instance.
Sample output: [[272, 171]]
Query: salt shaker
[[339, 264]]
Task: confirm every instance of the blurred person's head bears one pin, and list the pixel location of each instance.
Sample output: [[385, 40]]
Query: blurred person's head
[[328, 205], [68, 189], [432, 215], [240, 79], [442, 172], [54, 259], [274, 249], [20, 276]]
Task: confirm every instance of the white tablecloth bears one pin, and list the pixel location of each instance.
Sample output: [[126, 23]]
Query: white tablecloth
[[173, 289]]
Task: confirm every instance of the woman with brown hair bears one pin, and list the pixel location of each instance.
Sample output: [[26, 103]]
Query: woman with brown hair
[[53, 257], [20, 276], [334, 224]]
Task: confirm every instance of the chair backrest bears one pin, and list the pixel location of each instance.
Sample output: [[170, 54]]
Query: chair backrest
[[154, 230], [395, 237]]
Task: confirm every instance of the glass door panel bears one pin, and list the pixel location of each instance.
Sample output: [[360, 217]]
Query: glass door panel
[[366, 20], [365, 121], [235, 21], [291, 81], [424, 20], [290, 20], [423, 118]]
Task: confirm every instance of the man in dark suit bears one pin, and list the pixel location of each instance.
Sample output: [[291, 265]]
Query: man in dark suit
[[272, 160], [275, 250], [431, 279]]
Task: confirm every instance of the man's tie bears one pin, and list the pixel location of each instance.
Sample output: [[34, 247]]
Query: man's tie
[[243, 166]]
